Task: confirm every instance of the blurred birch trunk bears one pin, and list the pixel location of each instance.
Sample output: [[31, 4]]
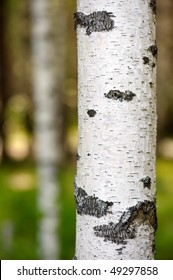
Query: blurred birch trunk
[[115, 182], [48, 73]]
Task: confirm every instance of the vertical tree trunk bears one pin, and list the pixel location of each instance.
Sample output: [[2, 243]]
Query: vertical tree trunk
[[5, 88], [115, 182], [48, 53]]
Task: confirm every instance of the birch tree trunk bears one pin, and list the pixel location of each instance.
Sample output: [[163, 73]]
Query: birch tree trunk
[[115, 182], [48, 54]]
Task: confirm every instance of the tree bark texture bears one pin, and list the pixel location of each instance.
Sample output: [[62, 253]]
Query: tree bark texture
[[48, 56], [115, 182]]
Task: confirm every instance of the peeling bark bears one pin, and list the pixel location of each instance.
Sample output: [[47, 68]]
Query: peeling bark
[[94, 22]]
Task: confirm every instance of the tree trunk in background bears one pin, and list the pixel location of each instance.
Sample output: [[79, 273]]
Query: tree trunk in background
[[4, 77], [165, 73], [115, 182], [48, 54]]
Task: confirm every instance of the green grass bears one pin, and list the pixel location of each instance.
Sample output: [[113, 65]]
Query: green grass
[[68, 225], [19, 215], [164, 237]]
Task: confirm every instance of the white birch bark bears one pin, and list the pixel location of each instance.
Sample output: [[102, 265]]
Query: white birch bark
[[48, 54], [115, 182]]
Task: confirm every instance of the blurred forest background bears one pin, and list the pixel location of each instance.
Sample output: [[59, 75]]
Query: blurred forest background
[[20, 214]]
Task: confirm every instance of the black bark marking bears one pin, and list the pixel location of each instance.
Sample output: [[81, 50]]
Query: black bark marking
[[128, 224], [146, 60], [120, 95], [74, 258], [77, 156], [153, 6], [147, 182], [154, 50], [154, 247], [88, 154], [90, 205], [91, 113], [94, 22], [151, 85], [119, 250], [75, 184]]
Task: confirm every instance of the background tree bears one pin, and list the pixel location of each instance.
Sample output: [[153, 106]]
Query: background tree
[[48, 73], [15, 70], [5, 88], [115, 182], [165, 72]]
